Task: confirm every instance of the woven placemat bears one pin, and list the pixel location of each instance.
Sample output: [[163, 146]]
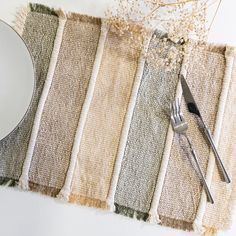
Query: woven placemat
[[98, 132]]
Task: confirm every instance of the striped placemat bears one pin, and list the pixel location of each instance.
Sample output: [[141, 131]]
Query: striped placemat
[[98, 131]]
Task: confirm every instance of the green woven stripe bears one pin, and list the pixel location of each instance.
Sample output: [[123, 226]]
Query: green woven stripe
[[126, 211], [7, 181], [42, 9]]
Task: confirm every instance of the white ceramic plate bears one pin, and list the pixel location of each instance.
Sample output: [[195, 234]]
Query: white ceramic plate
[[16, 79]]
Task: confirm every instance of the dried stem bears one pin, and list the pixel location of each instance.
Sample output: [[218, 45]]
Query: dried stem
[[161, 5], [213, 19]]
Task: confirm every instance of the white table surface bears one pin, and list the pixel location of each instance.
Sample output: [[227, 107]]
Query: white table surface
[[30, 214]]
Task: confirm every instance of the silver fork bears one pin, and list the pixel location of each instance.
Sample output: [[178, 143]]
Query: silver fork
[[181, 126]]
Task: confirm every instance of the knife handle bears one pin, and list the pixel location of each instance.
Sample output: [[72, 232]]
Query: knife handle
[[220, 164]]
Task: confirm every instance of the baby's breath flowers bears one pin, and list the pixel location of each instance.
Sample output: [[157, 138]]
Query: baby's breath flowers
[[169, 55], [182, 20]]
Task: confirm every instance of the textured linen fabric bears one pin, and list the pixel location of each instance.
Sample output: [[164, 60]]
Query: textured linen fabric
[[39, 34], [100, 140], [182, 189], [101, 135], [64, 102], [147, 134], [218, 216]]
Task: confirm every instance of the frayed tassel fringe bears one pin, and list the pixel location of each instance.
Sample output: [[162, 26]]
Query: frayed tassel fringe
[[90, 202], [49, 191], [64, 195], [126, 211], [210, 232], [20, 18], [154, 218], [7, 182], [111, 206], [198, 228], [62, 14], [35, 7], [23, 184], [177, 224]]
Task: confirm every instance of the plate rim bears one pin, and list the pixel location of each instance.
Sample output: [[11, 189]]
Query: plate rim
[[34, 82]]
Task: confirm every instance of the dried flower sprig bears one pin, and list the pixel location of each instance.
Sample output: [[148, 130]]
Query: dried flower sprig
[[179, 17], [182, 20], [169, 56]]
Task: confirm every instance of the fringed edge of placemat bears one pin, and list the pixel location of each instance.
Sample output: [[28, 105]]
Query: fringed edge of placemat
[[214, 48], [83, 18], [8, 182], [210, 232], [116, 24], [131, 213], [20, 18], [49, 191], [40, 8], [89, 202], [21, 15], [175, 223]]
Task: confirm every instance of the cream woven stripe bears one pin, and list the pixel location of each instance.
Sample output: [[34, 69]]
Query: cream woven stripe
[[197, 224], [128, 118], [153, 214], [19, 22], [65, 191], [23, 181]]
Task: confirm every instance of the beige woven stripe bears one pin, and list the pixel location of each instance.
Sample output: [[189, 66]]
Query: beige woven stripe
[[60, 116], [182, 189], [197, 224], [100, 141], [218, 216], [65, 191]]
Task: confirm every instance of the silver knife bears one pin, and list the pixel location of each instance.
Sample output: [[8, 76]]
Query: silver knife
[[192, 107]]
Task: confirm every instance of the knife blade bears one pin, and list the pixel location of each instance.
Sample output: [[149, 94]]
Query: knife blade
[[193, 108], [191, 104]]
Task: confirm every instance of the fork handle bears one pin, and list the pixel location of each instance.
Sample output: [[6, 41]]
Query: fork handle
[[206, 188], [219, 162]]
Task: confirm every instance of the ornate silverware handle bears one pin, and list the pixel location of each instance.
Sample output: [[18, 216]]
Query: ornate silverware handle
[[220, 164]]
